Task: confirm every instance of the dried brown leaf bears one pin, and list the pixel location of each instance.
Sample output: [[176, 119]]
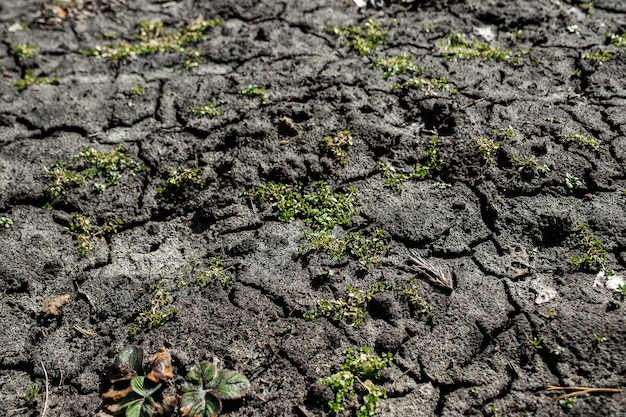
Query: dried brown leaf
[[53, 306]]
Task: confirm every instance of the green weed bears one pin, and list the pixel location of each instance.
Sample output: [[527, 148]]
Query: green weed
[[364, 39], [430, 86], [572, 182], [33, 393], [397, 65], [157, 314], [83, 232], [535, 342], [594, 255], [24, 51], [616, 40], [209, 109], [179, 177], [393, 179], [253, 90], [138, 90], [486, 148], [457, 46], [582, 140], [600, 57], [338, 145], [30, 79], [215, 272], [5, 222], [528, 165], [429, 160], [367, 250]]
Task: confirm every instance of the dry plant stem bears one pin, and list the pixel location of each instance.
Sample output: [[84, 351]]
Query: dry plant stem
[[581, 390], [434, 274], [45, 403]]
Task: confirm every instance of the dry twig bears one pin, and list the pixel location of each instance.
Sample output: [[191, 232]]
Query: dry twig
[[434, 274], [581, 391], [45, 403]]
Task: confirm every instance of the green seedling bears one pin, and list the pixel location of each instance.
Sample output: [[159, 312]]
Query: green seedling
[[338, 145], [393, 179], [597, 56], [30, 79], [536, 342], [253, 90], [486, 148], [88, 164], [138, 90], [429, 160], [430, 86], [597, 339], [193, 59], [616, 40], [567, 403], [366, 250], [364, 39], [587, 8], [152, 39], [572, 182], [24, 51], [33, 393], [594, 255], [457, 46], [622, 289], [6, 222], [157, 314], [206, 387], [397, 65], [409, 291], [215, 272], [582, 140], [209, 109], [321, 209], [139, 402], [363, 368], [528, 165], [179, 177], [83, 232]]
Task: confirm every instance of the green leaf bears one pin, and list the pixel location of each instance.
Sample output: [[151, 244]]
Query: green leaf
[[230, 385], [139, 403], [197, 403], [127, 365]]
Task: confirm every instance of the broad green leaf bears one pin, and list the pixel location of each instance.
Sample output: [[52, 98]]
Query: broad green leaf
[[139, 402], [127, 365], [198, 403], [230, 385]]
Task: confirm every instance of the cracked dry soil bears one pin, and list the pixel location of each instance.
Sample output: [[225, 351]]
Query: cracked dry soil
[[505, 230]]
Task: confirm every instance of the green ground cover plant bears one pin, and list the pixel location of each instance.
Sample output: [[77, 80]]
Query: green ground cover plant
[[253, 90], [593, 253], [367, 250], [359, 373], [6, 222], [24, 51], [486, 148], [397, 65], [365, 39], [180, 177], [529, 166], [581, 140], [29, 79], [458, 46], [157, 314], [84, 232], [430, 86], [104, 168], [209, 109], [338, 145], [151, 39], [214, 272], [616, 40]]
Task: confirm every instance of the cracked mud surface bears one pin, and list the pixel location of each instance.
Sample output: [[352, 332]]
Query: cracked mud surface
[[505, 231]]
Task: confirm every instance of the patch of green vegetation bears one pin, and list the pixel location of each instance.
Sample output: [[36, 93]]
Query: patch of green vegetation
[[594, 255], [33, 393], [209, 109], [572, 182], [30, 79], [5, 222], [397, 65], [410, 292], [193, 59], [321, 209], [393, 179], [89, 164], [152, 39], [535, 342], [138, 90], [366, 250], [457, 46], [215, 272], [587, 8], [364, 39], [253, 90], [616, 40], [486, 148], [179, 177], [602, 56], [430, 86], [362, 368], [567, 403], [24, 51], [429, 160], [582, 140], [528, 165], [622, 289], [157, 314], [338, 145], [83, 232]]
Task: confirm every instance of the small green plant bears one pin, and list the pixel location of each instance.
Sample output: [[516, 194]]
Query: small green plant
[[528, 165], [429, 160], [209, 109], [206, 387], [594, 255], [616, 40], [486, 148], [138, 90], [572, 182], [253, 90], [363, 368], [366, 250], [139, 401], [409, 291], [582, 140], [321, 209], [397, 65], [33, 393], [622, 289], [364, 39], [535, 342], [83, 232], [215, 272], [431, 86], [587, 8], [157, 314], [193, 59], [24, 51], [179, 177], [597, 339], [597, 56], [5, 222], [30, 79], [152, 39], [338, 145], [567, 403], [393, 179], [457, 46]]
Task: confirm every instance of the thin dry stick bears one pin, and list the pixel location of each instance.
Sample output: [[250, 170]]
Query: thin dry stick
[[581, 391], [434, 274], [45, 403]]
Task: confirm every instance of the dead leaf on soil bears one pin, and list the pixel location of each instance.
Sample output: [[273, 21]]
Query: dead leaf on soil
[[53, 306], [160, 366]]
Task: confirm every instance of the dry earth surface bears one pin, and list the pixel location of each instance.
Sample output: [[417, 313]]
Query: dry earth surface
[[518, 150]]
